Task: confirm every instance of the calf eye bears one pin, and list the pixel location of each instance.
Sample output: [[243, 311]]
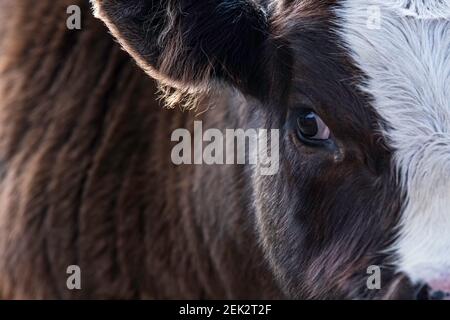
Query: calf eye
[[311, 127]]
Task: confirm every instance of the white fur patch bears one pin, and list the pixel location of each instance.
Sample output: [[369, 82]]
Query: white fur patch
[[407, 61], [421, 9]]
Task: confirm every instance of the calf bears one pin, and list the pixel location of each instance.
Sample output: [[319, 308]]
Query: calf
[[365, 115], [359, 91]]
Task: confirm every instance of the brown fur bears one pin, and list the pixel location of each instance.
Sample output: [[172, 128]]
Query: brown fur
[[86, 176]]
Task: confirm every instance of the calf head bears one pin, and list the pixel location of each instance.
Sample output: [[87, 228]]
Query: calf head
[[360, 93]]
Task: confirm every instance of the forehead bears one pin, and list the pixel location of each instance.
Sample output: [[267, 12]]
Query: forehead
[[403, 49], [375, 60]]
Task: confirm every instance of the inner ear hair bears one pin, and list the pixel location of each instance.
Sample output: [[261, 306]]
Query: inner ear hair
[[193, 45]]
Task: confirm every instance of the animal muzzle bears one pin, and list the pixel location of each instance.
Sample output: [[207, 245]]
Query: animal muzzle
[[402, 288], [439, 289]]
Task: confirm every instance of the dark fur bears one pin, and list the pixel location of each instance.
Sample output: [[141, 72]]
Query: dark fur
[[85, 153]]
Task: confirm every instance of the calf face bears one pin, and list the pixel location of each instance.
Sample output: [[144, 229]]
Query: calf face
[[363, 111]]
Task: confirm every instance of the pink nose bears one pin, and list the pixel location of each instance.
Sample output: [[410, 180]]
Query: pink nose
[[439, 289]]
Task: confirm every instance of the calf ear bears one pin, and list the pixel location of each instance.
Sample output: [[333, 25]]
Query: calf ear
[[190, 44]]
